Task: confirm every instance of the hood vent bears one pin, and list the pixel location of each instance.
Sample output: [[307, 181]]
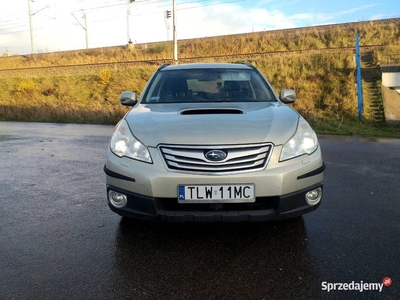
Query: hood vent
[[212, 111]]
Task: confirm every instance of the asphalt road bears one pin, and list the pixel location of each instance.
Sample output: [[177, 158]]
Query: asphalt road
[[59, 240]]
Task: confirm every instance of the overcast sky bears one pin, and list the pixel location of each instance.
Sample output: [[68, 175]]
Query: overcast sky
[[59, 25]]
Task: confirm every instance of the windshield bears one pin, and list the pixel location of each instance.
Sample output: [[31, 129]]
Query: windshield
[[207, 85]]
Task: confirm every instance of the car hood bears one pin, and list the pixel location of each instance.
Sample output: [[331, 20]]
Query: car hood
[[212, 124]]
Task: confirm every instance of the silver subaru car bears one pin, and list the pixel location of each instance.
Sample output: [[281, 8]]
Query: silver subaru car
[[212, 142]]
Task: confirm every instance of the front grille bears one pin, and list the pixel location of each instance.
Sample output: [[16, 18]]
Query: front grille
[[239, 158]]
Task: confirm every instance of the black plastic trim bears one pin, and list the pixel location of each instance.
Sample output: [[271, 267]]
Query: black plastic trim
[[313, 173], [149, 208], [249, 64], [116, 175], [231, 111], [163, 66]]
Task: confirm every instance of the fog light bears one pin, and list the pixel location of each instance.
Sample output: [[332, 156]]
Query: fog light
[[314, 196], [116, 199]]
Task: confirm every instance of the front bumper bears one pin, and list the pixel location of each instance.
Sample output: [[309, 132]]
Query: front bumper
[[168, 209], [152, 194]]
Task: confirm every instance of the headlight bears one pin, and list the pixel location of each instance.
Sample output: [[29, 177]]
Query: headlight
[[123, 143], [304, 141]]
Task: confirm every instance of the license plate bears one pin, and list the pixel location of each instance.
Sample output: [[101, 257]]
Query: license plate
[[216, 193]]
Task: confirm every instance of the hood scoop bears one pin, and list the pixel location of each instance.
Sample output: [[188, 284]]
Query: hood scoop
[[212, 111]]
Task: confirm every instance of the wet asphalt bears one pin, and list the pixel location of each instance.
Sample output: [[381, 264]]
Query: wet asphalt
[[59, 240]]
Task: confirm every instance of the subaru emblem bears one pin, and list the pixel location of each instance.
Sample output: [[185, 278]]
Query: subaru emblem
[[215, 155]]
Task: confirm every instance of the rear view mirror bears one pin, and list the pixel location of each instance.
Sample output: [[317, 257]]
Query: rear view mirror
[[235, 76], [128, 98], [208, 77], [287, 96]]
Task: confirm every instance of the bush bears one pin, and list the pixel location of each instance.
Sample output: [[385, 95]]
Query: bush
[[26, 86], [105, 76]]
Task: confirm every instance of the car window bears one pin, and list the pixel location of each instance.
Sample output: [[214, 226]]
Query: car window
[[207, 85]]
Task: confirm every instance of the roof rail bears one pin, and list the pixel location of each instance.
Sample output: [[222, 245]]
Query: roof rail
[[163, 66], [248, 64]]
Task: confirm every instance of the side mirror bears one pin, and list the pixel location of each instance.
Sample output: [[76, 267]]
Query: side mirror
[[287, 96], [128, 98]]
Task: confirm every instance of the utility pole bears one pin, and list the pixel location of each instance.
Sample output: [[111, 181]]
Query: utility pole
[[83, 27], [30, 24], [30, 20], [358, 77], [128, 13], [86, 31], [174, 33], [167, 25]]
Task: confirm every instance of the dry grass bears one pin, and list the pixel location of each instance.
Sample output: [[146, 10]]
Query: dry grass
[[323, 80], [383, 32], [77, 99]]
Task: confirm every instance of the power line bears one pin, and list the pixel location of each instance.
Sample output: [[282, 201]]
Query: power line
[[138, 3], [26, 30], [133, 15], [182, 8], [12, 26], [149, 2], [104, 6]]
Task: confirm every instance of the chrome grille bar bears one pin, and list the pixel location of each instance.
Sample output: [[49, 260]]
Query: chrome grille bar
[[240, 158]]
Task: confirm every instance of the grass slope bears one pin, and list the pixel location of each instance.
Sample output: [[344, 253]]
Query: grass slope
[[324, 80]]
